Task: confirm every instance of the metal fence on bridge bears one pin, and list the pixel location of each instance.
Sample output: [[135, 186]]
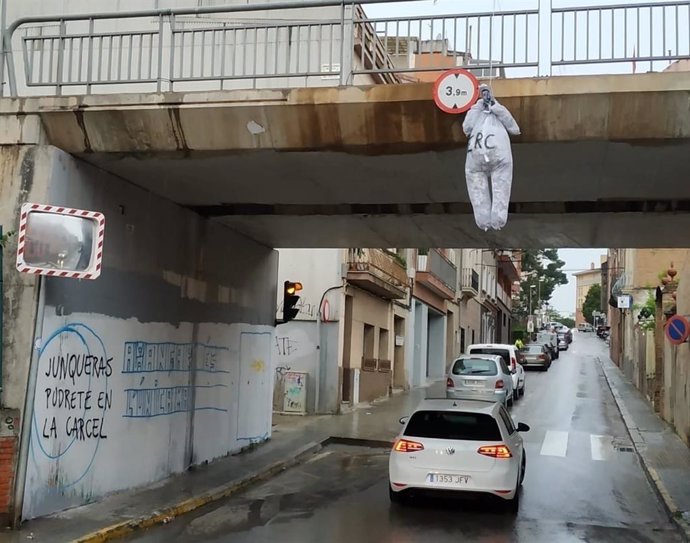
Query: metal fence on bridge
[[331, 42]]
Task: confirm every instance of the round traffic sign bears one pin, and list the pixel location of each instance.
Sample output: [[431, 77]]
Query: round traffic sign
[[677, 329], [456, 91]]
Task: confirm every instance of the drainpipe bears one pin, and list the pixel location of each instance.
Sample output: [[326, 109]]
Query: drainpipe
[[317, 373], [2, 310], [28, 414]]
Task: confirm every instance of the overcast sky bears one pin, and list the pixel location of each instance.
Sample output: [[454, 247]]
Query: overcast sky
[[575, 260]]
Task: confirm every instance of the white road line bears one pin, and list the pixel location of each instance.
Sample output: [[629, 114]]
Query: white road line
[[602, 447], [555, 443]]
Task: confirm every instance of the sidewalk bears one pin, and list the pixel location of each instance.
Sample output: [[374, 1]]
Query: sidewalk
[[665, 457], [293, 439]]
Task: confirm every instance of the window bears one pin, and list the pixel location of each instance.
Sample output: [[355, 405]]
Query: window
[[508, 421], [453, 425], [503, 353], [474, 366]]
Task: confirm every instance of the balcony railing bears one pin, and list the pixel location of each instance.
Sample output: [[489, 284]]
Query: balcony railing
[[379, 272], [437, 273], [470, 281], [329, 42]]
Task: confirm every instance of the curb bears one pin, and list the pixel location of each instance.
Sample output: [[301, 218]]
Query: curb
[[165, 515], [651, 473]]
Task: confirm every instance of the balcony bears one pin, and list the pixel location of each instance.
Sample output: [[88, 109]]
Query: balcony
[[378, 272], [470, 283], [438, 274]]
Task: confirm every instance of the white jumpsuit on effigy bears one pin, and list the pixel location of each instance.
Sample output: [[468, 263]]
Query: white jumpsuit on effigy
[[489, 157]]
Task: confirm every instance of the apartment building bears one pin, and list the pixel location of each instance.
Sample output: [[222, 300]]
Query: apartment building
[[375, 320]]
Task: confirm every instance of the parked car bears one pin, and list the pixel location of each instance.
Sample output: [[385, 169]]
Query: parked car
[[562, 342], [585, 327], [536, 354], [459, 446], [510, 356], [550, 339], [480, 377]]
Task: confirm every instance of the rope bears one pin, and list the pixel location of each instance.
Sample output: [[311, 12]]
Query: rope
[[491, 57]]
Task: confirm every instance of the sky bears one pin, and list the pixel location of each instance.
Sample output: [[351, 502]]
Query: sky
[[576, 260]]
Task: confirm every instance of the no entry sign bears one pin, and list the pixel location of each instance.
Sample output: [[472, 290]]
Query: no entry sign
[[456, 91], [677, 329]]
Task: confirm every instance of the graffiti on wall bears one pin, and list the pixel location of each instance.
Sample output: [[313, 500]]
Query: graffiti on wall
[[157, 394], [73, 398]]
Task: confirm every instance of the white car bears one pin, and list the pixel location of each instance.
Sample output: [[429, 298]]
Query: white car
[[509, 353], [463, 446], [480, 377]]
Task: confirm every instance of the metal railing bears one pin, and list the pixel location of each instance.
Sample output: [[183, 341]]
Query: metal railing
[[327, 42], [379, 263], [440, 267], [470, 280]]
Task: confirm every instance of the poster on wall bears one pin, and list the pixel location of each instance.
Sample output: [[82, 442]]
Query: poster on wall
[[295, 392]]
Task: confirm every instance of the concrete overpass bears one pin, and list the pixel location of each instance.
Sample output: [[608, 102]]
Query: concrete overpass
[[602, 160]]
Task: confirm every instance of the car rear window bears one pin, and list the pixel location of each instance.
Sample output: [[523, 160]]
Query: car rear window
[[453, 425], [503, 353], [475, 366], [533, 349]]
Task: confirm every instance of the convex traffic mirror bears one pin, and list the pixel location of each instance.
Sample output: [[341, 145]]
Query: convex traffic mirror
[[60, 242]]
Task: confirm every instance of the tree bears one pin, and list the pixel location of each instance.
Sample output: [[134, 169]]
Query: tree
[[567, 321], [592, 302], [542, 269]]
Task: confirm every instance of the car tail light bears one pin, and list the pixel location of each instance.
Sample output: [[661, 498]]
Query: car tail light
[[542, 357], [405, 446], [500, 383], [495, 451], [450, 383], [514, 363]]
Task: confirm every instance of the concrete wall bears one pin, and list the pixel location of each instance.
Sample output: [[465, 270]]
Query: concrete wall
[[295, 350], [318, 270], [163, 362], [677, 359], [24, 173]]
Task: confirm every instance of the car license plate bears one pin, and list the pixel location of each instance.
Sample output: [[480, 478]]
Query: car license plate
[[473, 382], [444, 479]]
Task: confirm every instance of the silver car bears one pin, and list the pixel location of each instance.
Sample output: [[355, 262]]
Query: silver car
[[484, 377], [536, 354]]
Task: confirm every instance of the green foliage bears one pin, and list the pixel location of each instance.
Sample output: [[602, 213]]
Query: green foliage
[[647, 313], [4, 239], [539, 264], [592, 302], [567, 321]]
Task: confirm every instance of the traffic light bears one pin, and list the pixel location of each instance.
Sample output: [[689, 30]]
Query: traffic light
[[290, 299]]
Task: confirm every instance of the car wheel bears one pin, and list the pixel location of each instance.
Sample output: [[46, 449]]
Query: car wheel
[[510, 401], [516, 395], [513, 504], [522, 469], [522, 390]]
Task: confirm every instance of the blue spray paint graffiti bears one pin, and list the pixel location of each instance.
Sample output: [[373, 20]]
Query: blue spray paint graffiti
[[73, 383], [143, 358]]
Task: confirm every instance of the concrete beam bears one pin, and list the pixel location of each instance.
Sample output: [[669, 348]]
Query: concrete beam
[[375, 119]]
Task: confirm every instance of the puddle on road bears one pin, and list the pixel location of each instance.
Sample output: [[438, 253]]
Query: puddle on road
[[298, 493]]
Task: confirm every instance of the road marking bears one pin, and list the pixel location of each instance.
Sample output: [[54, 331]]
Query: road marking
[[602, 447], [555, 443]]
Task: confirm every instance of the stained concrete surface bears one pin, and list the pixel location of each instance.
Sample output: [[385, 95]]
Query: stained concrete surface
[[340, 495]]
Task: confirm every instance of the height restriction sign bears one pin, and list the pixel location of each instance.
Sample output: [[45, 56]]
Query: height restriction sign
[[456, 91]]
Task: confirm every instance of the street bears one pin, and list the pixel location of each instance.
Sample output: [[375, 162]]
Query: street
[[584, 482]]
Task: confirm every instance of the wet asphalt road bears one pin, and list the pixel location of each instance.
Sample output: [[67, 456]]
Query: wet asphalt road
[[583, 483]]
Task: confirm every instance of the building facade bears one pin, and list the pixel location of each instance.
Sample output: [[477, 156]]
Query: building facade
[[584, 280], [372, 321]]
